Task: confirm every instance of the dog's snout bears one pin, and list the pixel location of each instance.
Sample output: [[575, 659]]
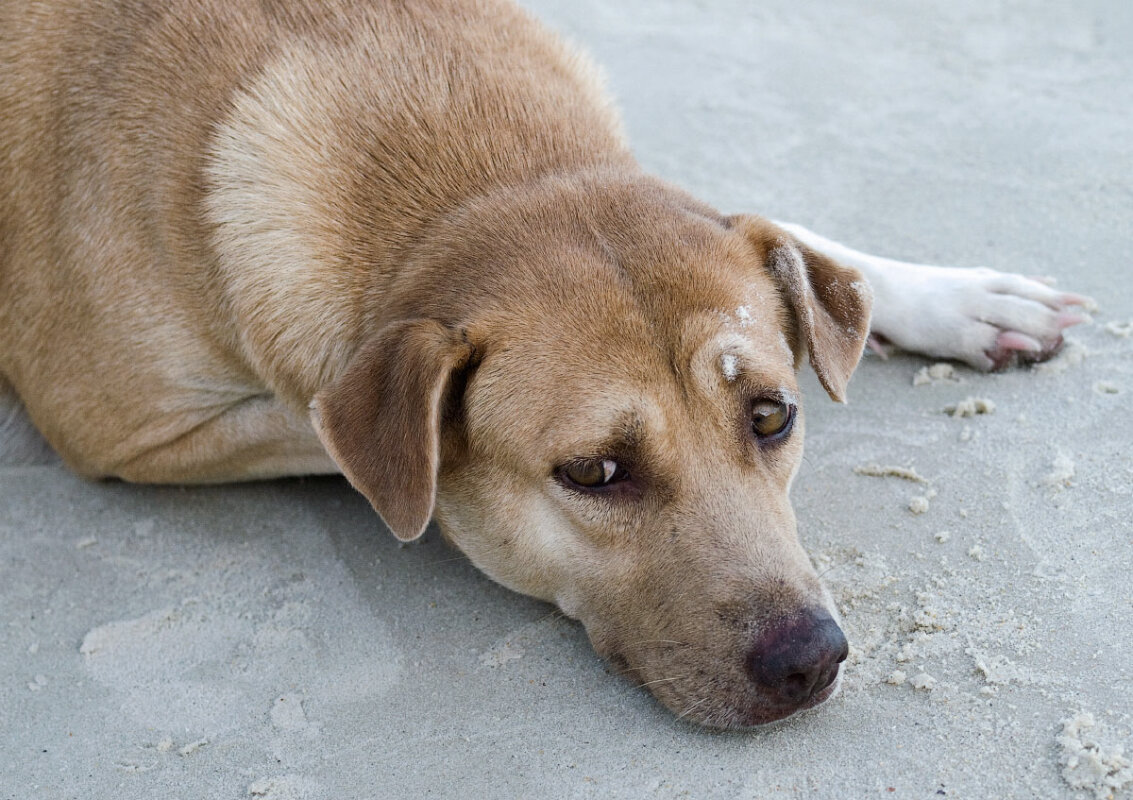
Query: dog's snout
[[798, 658]]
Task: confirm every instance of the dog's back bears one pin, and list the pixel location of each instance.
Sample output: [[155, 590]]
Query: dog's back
[[180, 176]]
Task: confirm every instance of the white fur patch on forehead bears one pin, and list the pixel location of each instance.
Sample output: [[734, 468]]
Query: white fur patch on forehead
[[733, 353], [731, 350], [744, 316], [729, 363]]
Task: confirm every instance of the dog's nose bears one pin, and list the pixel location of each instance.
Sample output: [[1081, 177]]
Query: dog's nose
[[798, 658]]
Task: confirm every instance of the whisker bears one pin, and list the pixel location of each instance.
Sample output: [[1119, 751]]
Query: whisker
[[460, 557], [554, 613], [624, 672], [692, 707], [661, 680]]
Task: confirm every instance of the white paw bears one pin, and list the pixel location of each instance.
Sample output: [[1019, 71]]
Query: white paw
[[985, 318]]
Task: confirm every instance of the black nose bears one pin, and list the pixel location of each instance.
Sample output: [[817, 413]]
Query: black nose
[[799, 657]]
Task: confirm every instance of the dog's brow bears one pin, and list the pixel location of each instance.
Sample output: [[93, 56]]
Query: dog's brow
[[621, 435], [738, 349]]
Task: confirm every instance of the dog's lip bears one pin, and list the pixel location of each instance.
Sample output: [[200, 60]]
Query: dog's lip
[[766, 715]]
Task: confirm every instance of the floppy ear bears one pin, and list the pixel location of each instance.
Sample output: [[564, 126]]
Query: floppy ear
[[830, 302], [380, 420]]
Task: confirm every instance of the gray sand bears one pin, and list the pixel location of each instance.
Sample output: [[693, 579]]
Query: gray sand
[[273, 641]]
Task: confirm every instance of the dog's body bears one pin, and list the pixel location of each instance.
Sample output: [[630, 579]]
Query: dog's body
[[417, 226]]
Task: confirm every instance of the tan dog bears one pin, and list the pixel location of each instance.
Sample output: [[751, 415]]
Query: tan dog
[[417, 226]]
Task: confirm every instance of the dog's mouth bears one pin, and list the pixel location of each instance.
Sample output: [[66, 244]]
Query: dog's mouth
[[795, 666], [744, 711], [766, 716]]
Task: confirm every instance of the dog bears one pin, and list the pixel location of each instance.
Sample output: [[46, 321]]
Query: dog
[[407, 242]]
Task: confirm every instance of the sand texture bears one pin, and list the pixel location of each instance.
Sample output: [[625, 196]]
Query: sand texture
[[273, 641]]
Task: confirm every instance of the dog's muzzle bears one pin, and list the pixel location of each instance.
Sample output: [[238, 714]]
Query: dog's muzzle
[[797, 658]]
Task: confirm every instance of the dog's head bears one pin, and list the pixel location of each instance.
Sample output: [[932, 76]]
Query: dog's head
[[595, 391]]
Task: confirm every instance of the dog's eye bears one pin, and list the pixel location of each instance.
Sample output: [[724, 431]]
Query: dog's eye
[[594, 473], [771, 420]]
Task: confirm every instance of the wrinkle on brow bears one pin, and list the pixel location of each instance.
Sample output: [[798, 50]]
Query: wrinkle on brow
[[743, 350], [620, 438]]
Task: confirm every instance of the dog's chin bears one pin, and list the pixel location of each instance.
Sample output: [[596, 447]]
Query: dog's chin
[[761, 714], [762, 717]]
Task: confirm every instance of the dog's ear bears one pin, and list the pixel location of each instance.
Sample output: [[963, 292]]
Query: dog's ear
[[831, 303], [380, 420]]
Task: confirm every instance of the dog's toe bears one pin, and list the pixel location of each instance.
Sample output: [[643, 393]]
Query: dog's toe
[[1026, 319], [1013, 347], [982, 317]]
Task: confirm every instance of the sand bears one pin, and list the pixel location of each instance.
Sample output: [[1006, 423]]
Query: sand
[[273, 640], [873, 470], [941, 372], [919, 504], [970, 407], [1091, 760], [1121, 329]]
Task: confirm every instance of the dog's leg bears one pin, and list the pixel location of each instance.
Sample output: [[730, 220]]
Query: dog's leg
[[21, 445], [258, 437], [979, 316]]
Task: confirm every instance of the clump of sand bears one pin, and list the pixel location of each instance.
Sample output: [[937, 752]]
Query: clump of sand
[[923, 681], [1122, 330], [970, 407], [919, 504], [1091, 762], [936, 373], [874, 470]]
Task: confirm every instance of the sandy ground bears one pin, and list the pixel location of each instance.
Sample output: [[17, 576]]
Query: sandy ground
[[273, 641]]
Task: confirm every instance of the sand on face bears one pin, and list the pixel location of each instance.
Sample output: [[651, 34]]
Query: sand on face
[[963, 135]]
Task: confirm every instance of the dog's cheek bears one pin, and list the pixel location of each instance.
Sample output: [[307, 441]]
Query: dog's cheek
[[510, 531]]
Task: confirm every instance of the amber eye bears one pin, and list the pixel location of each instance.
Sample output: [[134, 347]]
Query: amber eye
[[771, 420], [593, 473]]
